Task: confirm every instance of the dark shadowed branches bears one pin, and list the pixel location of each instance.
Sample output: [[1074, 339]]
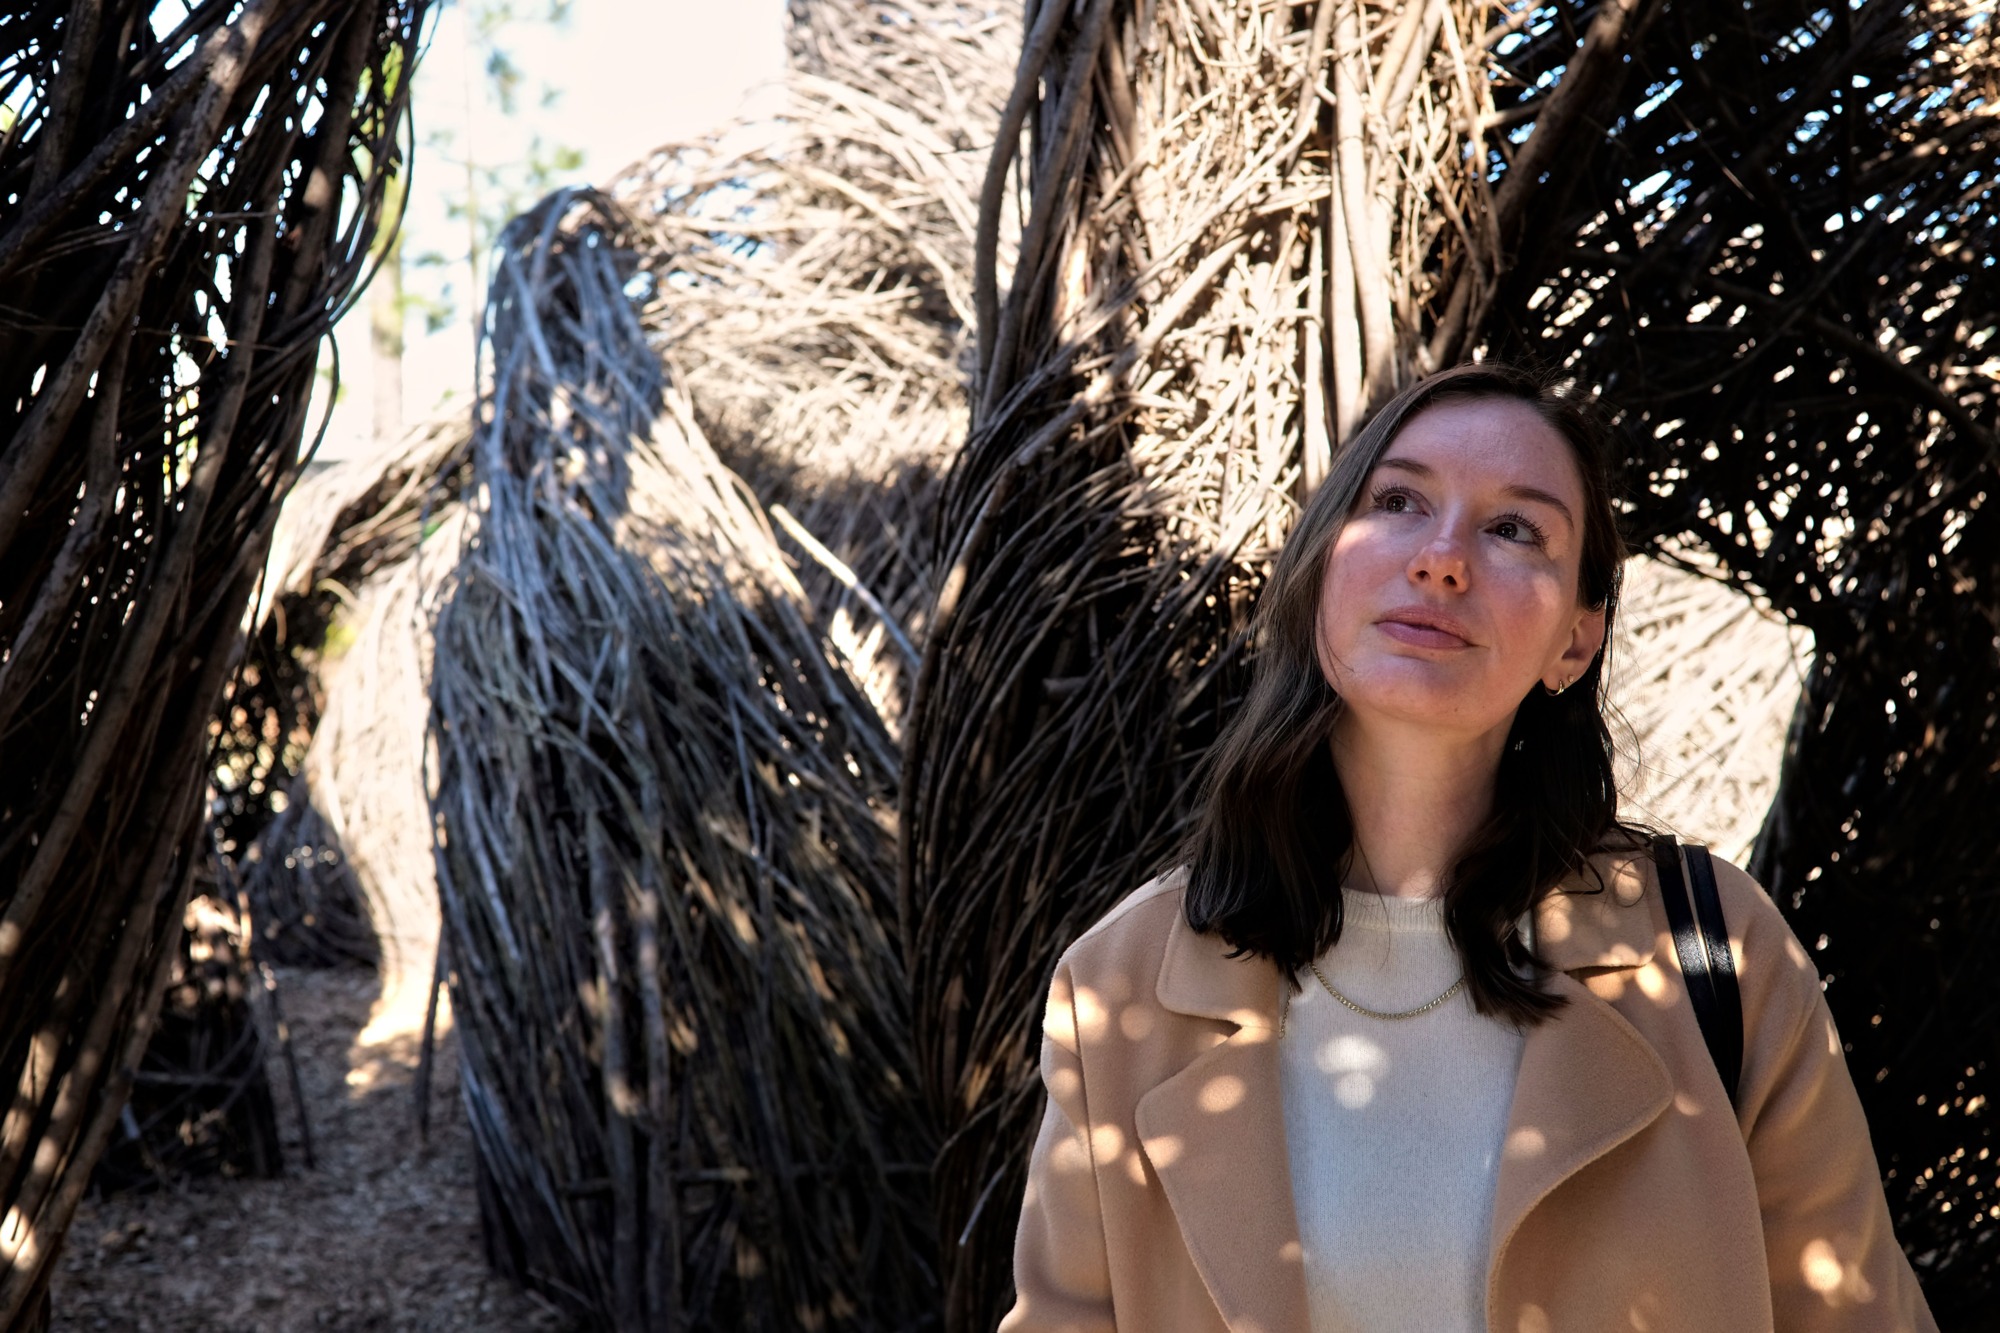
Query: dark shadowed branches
[[1783, 268], [187, 200]]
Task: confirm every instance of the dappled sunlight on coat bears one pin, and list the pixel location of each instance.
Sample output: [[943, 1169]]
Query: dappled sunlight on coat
[[1838, 1281], [1626, 1198]]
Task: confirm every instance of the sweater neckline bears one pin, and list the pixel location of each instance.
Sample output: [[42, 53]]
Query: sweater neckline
[[1363, 910]]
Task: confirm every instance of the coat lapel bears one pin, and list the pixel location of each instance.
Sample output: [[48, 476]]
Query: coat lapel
[[1215, 1135], [1215, 1132], [1588, 1081]]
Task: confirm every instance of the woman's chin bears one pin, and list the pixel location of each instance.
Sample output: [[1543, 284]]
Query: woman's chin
[[1434, 704]]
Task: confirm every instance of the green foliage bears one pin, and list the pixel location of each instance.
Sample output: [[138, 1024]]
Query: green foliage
[[484, 182]]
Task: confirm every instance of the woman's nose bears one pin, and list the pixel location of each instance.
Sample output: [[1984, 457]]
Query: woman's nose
[[1440, 561]]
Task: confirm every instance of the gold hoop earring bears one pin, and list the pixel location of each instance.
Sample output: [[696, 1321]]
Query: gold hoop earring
[[1552, 693]]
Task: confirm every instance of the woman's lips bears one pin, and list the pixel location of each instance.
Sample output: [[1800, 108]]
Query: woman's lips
[[1420, 635]]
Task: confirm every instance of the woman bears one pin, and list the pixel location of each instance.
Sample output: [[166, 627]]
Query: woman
[[1404, 1045]]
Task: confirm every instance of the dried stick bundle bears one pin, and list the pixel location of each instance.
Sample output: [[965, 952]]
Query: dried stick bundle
[[307, 907], [818, 318], [664, 853], [350, 519], [303, 905], [818, 310], [1245, 224], [190, 197], [364, 772]]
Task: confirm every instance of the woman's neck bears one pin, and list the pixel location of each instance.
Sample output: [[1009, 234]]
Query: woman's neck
[[1416, 799]]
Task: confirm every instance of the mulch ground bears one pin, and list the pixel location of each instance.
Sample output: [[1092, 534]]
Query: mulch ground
[[382, 1234]]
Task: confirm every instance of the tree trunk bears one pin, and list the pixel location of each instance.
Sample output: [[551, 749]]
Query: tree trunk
[[385, 346]]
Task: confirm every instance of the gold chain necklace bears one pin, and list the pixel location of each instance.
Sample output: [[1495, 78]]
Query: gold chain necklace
[[1366, 1012]]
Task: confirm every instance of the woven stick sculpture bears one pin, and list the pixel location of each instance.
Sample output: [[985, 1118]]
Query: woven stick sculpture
[[820, 312], [1245, 224], [819, 319], [1781, 265], [1702, 684], [200, 1102], [664, 866], [189, 204]]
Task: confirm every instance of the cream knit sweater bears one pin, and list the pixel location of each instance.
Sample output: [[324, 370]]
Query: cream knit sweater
[[1393, 1129]]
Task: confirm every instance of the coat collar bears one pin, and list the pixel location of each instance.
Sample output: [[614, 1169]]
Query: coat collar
[[1214, 1132], [1588, 1082], [1594, 919]]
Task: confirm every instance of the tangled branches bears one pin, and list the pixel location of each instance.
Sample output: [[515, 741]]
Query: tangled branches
[[187, 208], [818, 308], [664, 853], [1701, 683], [1783, 271]]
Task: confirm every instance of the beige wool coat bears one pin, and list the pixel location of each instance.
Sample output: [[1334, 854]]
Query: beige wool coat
[[1629, 1196]]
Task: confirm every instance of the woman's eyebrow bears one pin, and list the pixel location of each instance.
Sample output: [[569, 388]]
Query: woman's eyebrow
[[1533, 494], [1538, 496]]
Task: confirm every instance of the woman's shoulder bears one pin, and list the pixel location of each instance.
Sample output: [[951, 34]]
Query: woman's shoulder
[[1772, 963], [1747, 909], [1767, 953], [1133, 933], [1139, 994]]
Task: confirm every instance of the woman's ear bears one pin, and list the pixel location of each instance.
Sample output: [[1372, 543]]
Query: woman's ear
[[1586, 636]]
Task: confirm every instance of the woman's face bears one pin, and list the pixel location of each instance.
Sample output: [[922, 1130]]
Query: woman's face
[[1452, 589]]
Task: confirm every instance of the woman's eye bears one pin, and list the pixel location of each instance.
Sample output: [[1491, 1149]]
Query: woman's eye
[[1517, 530], [1393, 502]]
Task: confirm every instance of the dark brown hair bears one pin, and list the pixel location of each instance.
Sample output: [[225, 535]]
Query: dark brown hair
[[1273, 833]]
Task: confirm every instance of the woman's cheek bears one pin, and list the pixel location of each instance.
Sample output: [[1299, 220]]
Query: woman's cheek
[[1335, 646], [1532, 597]]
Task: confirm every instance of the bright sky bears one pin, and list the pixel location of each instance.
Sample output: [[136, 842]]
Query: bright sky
[[633, 74], [625, 75]]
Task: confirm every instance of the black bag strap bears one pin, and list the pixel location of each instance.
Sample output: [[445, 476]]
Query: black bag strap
[[1701, 941]]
